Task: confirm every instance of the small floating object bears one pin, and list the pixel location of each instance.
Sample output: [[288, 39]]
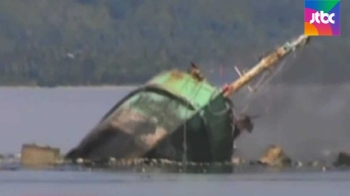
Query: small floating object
[[35, 156]]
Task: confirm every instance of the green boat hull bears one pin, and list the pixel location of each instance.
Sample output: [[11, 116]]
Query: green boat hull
[[173, 116]]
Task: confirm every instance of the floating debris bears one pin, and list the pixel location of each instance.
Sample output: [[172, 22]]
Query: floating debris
[[43, 160], [238, 161], [275, 156], [35, 156]]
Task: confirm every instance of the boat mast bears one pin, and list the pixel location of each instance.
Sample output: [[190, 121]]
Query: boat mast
[[266, 63]]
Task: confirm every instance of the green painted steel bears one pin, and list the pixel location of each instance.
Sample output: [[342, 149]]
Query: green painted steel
[[182, 84], [172, 109], [219, 118], [213, 113]]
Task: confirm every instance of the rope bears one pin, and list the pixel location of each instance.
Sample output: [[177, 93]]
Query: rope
[[184, 155], [184, 142], [264, 80]]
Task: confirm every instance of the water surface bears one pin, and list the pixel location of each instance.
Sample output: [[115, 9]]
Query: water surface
[[46, 183]]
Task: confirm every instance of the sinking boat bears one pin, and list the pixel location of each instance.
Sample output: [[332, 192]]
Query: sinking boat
[[177, 115]]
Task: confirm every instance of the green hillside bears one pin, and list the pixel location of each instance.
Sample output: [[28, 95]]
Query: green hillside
[[81, 42]]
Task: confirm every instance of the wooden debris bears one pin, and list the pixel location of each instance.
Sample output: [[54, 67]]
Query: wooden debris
[[34, 156], [275, 156]]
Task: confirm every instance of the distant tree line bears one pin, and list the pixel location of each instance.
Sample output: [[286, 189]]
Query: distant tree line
[[91, 42]]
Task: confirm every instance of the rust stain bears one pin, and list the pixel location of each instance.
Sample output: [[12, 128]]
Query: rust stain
[[176, 75], [174, 78], [126, 118], [152, 139]]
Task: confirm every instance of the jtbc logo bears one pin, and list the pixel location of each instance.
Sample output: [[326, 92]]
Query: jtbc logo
[[316, 17]]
